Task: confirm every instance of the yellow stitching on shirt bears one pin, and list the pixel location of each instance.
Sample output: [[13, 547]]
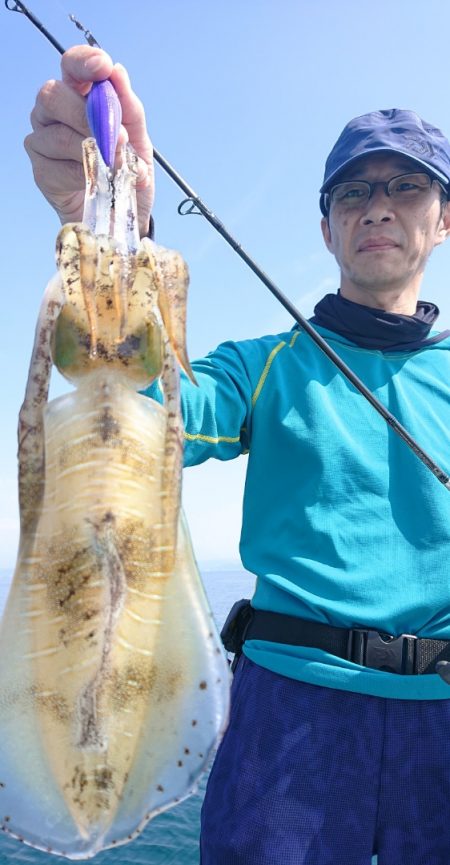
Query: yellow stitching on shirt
[[234, 439], [213, 440], [265, 371]]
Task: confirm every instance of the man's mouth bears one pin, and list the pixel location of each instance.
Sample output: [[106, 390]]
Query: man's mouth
[[377, 244]]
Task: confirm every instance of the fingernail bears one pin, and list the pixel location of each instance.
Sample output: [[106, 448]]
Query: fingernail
[[94, 64]]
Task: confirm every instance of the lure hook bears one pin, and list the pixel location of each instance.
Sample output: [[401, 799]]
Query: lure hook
[[90, 38]]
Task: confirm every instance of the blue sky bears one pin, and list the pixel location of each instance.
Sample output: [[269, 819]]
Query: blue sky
[[245, 98]]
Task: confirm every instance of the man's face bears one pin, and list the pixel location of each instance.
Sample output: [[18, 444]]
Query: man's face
[[382, 246]]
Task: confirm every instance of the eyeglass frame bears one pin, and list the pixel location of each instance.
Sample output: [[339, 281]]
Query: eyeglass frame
[[385, 183]]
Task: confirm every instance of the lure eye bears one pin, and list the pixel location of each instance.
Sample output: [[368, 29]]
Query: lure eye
[[104, 114]]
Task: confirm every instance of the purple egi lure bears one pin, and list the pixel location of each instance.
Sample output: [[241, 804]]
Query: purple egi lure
[[104, 114]]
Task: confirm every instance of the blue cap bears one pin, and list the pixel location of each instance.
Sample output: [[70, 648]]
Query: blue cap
[[392, 131]]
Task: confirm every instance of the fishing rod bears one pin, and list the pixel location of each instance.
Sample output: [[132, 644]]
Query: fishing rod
[[194, 204]]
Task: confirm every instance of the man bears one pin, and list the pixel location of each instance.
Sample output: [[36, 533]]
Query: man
[[337, 745]]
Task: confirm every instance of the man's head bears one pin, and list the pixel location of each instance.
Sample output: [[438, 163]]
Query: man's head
[[384, 198], [391, 131]]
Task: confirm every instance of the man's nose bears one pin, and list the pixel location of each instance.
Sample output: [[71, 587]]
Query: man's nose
[[379, 207]]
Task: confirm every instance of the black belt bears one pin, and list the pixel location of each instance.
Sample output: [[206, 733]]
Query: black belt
[[404, 654]]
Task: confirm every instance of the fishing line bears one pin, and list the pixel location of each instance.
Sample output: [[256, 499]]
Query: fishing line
[[193, 204]]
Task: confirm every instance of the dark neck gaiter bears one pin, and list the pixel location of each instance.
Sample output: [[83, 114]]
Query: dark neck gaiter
[[375, 328]]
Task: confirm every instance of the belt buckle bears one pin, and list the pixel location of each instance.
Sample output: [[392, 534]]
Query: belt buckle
[[382, 651]]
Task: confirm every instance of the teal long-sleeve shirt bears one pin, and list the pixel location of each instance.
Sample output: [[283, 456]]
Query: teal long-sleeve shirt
[[342, 524]]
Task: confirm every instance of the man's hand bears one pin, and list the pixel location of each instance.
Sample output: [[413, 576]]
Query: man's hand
[[59, 126]]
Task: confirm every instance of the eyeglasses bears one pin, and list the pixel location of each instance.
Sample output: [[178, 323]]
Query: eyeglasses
[[402, 189]]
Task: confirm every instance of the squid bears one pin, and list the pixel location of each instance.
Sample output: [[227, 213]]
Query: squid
[[114, 686]]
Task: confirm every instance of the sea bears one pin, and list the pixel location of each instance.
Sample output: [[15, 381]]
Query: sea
[[172, 837]]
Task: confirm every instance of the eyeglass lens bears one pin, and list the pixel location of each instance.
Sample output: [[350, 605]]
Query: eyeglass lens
[[354, 193]]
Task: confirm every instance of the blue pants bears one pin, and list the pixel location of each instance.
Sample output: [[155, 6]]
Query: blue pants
[[307, 775]]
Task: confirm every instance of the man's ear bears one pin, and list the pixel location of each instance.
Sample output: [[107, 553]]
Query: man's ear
[[443, 230], [326, 233]]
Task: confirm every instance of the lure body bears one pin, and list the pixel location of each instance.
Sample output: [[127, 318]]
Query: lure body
[[113, 683], [104, 114]]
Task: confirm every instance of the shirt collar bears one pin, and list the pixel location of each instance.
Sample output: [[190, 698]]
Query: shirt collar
[[376, 328]]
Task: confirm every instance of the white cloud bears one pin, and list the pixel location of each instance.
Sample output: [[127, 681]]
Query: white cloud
[[306, 302]]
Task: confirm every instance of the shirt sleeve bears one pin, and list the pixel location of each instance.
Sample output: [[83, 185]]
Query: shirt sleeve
[[216, 413]]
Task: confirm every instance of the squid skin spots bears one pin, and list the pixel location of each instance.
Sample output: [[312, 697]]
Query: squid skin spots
[[108, 426]]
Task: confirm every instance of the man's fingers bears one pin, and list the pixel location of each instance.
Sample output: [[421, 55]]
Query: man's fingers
[[58, 103], [56, 141], [63, 101], [133, 115], [60, 142], [54, 175], [133, 119], [60, 124], [82, 64]]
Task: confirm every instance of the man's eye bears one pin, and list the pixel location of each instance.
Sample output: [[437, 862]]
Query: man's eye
[[349, 193], [406, 186]]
